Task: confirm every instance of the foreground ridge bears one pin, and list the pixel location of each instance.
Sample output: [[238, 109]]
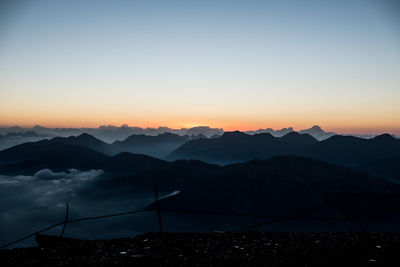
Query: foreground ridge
[[205, 249]]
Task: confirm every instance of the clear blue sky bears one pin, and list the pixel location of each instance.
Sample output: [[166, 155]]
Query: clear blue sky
[[232, 64]]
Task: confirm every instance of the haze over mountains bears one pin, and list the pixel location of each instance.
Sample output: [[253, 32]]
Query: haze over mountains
[[11, 136], [110, 133], [378, 156], [258, 173], [279, 186], [233, 147]]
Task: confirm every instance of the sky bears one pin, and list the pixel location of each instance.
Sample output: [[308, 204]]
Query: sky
[[237, 65]]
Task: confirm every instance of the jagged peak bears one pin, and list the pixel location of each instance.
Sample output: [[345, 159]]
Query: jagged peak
[[234, 134], [384, 136]]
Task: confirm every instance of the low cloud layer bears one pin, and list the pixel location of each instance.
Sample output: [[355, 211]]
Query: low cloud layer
[[28, 203], [31, 203], [44, 188]]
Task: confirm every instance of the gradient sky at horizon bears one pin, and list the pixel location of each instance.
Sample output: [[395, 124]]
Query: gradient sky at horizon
[[231, 64]]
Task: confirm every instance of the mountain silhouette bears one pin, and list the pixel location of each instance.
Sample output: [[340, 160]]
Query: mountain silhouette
[[353, 151], [61, 157], [238, 146], [298, 139], [80, 152], [317, 132], [230, 147], [156, 146], [378, 155], [54, 146], [280, 186], [276, 133], [387, 168], [31, 157], [234, 147], [85, 140], [126, 162]]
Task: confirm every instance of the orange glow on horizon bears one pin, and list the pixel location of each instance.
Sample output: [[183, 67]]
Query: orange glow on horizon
[[339, 121], [227, 125]]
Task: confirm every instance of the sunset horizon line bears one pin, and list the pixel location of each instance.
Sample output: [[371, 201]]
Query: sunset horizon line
[[337, 130]]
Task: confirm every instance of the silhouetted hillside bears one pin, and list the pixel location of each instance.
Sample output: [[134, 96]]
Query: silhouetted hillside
[[298, 139], [157, 146], [276, 133], [130, 163], [280, 186], [317, 133], [230, 147], [49, 150], [388, 168], [287, 180], [31, 157], [234, 147], [85, 140], [238, 146], [352, 151]]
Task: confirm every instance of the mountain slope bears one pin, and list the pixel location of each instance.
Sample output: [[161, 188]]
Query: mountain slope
[[389, 168], [298, 139], [84, 140], [234, 147], [317, 133], [31, 157], [353, 151], [280, 186], [58, 156], [44, 148], [156, 146], [237, 146]]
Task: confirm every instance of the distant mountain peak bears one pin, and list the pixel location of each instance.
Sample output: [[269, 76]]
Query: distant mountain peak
[[292, 134], [86, 137], [344, 139], [38, 127], [299, 138], [167, 134], [316, 128], [384, 137], [317, 132], [234, 134]]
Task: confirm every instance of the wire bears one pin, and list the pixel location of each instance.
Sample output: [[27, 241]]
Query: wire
[[273, 219], [73, 221]]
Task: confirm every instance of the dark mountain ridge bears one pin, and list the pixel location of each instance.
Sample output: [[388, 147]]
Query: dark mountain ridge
[[238, 146], [231, 147], [349, 151], [61, 154], [278, 186], [157, 146]]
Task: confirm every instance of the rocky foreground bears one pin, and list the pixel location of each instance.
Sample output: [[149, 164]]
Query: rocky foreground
[[214, 249]]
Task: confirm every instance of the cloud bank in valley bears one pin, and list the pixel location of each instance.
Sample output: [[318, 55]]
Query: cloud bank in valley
[[31, 202]]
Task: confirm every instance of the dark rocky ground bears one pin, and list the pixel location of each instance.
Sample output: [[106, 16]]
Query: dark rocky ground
[[214, 249]]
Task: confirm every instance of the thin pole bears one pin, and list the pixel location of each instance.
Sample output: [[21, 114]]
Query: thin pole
[[65, 222], [354, 221], [158, 208], [254, 223]]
